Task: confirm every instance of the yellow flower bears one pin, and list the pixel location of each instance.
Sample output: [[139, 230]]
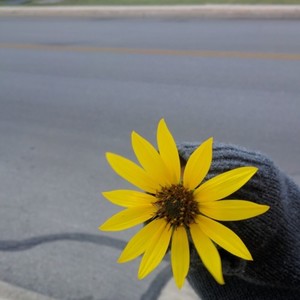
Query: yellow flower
[[177, 207]]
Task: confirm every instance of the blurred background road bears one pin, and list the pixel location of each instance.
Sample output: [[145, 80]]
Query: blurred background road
[[72, 89]]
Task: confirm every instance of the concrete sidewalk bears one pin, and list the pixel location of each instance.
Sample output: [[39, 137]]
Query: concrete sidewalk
[[170, 292], [178, 11], [11, 292]]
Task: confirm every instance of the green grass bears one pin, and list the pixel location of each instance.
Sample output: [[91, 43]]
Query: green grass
[[168, 2]]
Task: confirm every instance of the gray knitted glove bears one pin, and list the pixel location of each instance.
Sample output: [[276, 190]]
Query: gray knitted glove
[[273, 238]]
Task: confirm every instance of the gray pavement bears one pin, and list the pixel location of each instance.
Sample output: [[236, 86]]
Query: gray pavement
[[67, 96]]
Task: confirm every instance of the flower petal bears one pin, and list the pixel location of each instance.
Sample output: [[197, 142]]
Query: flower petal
[[129, 198], [156, 250], [132, 173], [224, 184], [224, 237], [208, 253], [198, 165], [128, 218], [168, 151], [139, 242], [232, 210], [150, 160], [180, 255]]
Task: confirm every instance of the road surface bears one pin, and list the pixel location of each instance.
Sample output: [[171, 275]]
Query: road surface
[[72, 89]]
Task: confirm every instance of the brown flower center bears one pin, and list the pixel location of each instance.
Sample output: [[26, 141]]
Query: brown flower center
[[176, 204]]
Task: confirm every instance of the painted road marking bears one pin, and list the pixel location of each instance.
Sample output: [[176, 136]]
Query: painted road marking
[[166, 52]]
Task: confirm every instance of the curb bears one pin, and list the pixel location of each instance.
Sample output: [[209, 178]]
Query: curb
[[12, 292], [170, 291], [178, 11]]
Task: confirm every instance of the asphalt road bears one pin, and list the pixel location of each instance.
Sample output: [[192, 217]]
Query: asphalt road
[[72, 89]]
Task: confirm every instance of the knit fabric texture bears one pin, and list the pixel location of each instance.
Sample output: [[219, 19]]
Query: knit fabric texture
[[272, 238]]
